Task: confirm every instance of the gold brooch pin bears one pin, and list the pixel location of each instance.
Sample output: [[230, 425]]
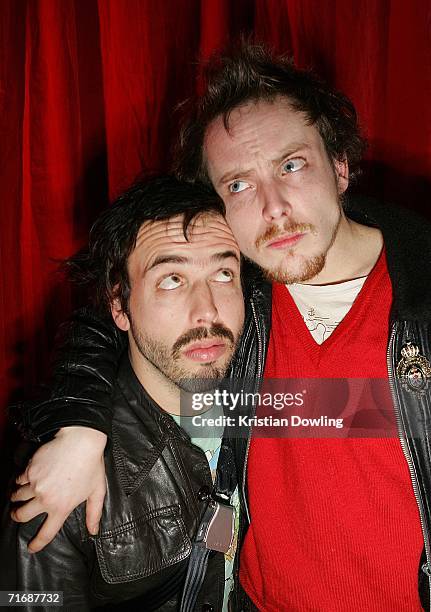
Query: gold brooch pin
[[413, 369]]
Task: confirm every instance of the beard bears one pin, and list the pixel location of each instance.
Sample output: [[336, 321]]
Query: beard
[[309, 269], [166, 359], [310, 266]]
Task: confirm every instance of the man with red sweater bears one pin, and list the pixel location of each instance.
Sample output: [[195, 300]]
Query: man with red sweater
[[327, 524]]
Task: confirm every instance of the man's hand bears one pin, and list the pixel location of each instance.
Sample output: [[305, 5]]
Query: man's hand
[[62, 474]]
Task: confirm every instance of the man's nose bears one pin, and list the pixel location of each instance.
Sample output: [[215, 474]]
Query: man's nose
[[275, 203], [203, 310]]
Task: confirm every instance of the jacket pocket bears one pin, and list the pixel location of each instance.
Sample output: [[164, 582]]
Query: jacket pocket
[[143, 546]]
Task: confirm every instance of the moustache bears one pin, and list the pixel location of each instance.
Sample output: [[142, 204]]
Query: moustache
[[201, 333], [273, 231]]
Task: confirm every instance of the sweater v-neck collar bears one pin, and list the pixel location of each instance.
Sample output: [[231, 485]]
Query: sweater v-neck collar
[[282, 299]]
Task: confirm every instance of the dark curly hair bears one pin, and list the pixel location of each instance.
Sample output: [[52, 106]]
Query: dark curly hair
[[102, 267], [251, 73]]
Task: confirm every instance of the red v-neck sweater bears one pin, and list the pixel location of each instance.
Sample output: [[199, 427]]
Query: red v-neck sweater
[[334, 522]]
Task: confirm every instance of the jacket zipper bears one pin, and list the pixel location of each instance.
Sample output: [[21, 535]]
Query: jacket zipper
[[407, 455], [259, 377]]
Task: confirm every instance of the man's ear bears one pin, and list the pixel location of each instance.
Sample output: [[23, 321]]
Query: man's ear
[[341, 168], [119, 316]]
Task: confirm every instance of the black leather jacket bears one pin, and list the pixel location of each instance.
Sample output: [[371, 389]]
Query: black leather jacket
[[407, 241], [155, 477]]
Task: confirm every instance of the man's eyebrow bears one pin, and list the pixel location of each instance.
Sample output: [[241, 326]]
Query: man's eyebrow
[[294, 148], [178, 259], [229, 176], [163, 259], [224, 255], [239, 172]]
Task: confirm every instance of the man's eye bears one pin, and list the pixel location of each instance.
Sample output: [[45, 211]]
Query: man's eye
[[224, 276], [237, 186], [293, 165], [173, 281]]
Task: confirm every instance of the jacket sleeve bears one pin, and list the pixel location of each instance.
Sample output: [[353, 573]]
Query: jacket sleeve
[[62, 566], [88, 349]]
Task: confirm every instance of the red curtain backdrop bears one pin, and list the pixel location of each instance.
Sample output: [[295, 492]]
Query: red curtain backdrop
[[87, 90]]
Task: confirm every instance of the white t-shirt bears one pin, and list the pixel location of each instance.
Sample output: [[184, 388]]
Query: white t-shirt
[[211, 444], [323, 307]]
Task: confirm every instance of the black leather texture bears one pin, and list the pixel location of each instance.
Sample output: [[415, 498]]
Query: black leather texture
[[150, 517]]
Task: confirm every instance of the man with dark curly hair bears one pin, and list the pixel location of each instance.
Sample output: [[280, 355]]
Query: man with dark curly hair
[[164, 267], [327, 523]]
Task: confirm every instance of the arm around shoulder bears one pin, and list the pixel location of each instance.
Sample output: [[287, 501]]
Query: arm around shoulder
[[88, 348]]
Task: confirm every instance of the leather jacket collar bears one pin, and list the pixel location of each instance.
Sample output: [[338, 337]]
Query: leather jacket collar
[[137, 454]]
